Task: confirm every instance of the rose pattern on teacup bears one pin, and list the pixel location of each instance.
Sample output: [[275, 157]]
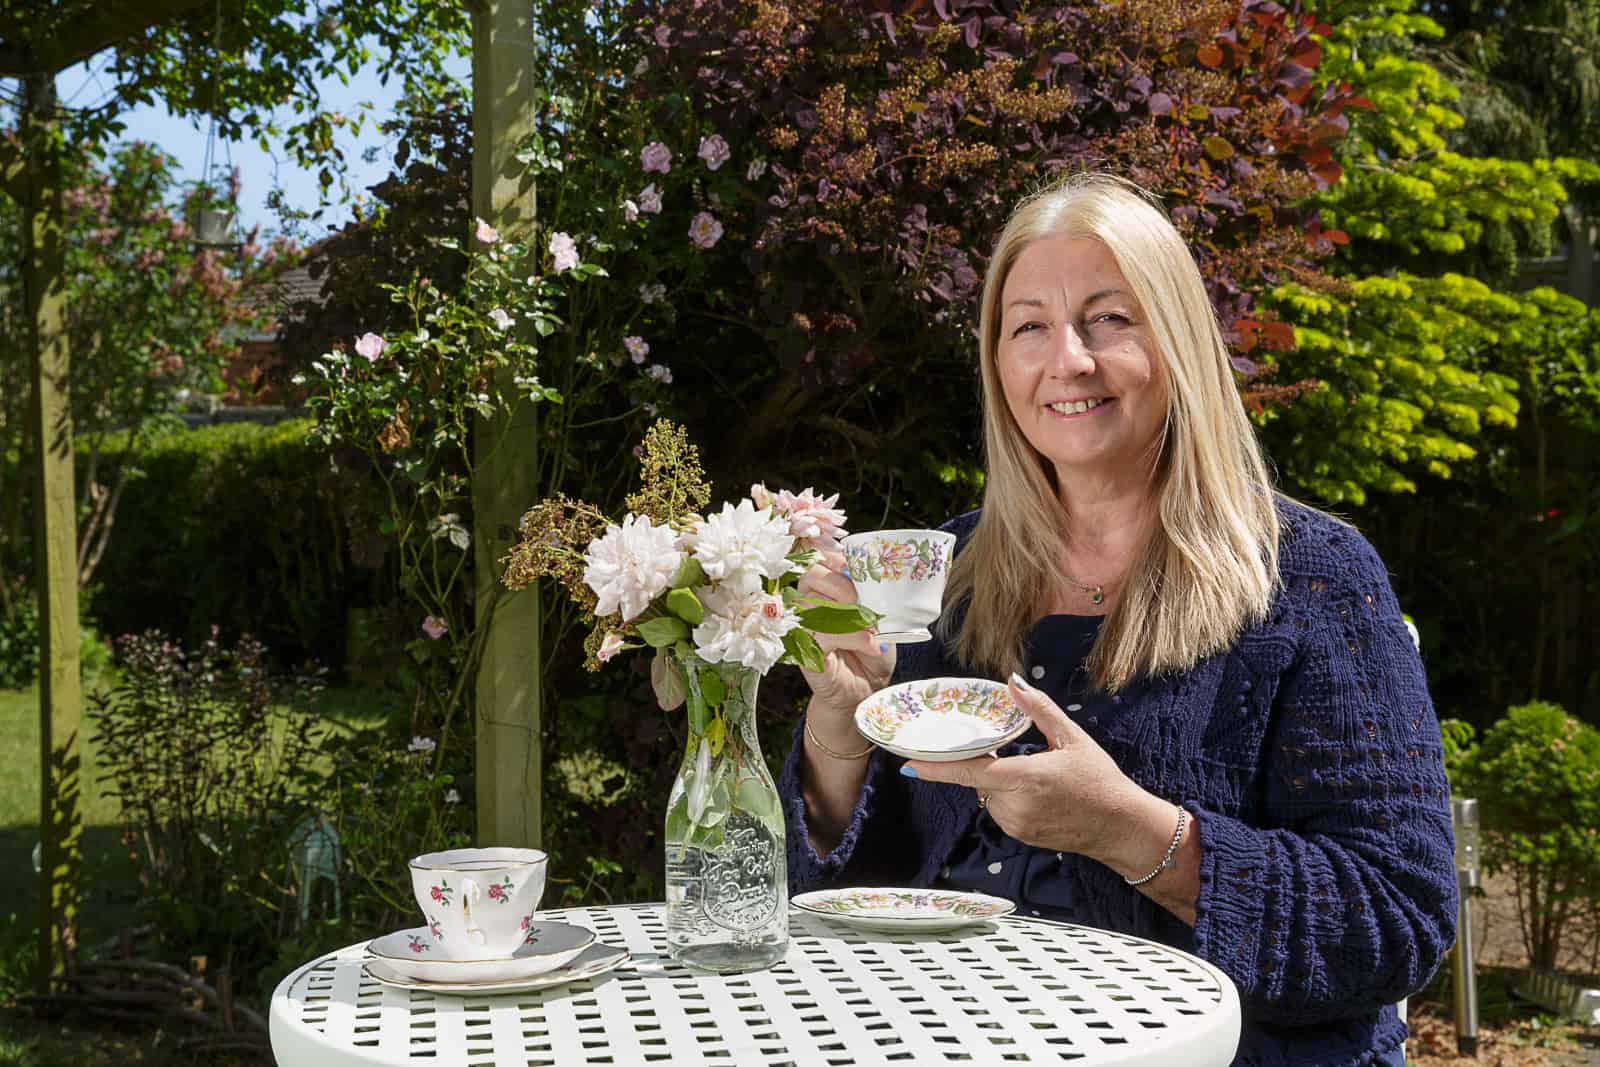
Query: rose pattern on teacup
[[417, 944], [891, 561], [474, 898]]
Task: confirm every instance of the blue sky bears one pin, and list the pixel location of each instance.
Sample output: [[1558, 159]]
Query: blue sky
[[261, 171]]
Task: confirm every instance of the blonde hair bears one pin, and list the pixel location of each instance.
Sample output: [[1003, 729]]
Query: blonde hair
[[1210, 564]]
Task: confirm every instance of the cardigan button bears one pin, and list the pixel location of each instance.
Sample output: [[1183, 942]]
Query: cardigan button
[[1037, 672]]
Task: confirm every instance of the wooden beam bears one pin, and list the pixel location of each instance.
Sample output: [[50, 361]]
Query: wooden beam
[[509, 747], [55, 530], [91, 30]]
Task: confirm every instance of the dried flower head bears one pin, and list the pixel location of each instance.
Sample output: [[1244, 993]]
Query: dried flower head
[[554, 534], [672, 481]]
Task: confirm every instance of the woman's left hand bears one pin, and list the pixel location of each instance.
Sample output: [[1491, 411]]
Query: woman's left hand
[[1071, 797]]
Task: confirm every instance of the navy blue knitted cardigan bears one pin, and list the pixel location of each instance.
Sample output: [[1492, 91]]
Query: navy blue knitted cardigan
[[1308, 756]]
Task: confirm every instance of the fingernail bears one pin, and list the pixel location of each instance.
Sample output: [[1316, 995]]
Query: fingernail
[[908, 770], [883, 646], [1020, 682]]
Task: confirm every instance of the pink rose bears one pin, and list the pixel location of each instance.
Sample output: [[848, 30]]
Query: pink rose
[[563, 252], [705, 231], [434, 628], [650, 200], [638, 348], [656, 156], [486, 233], [714, 151], [370, 346]]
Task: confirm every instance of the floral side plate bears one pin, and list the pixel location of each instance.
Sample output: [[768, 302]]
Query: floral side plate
[[941, 719], [420, 956], [593, 961], [904, 910]]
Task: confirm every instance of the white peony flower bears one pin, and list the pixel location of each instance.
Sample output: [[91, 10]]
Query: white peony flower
[[630, 565], [501, 318], [741, 546], [744, 629]]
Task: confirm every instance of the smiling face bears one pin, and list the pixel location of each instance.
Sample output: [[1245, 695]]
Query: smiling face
[[1077, 361]]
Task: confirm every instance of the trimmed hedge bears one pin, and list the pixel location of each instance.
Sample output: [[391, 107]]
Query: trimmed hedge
[[237, 526]]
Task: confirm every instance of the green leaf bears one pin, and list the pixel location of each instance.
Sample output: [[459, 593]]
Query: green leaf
[[829, 618], [758, 798], [689, 573], [712, 687], [716, 736], [686, 606], [803, 649], [661, 632]]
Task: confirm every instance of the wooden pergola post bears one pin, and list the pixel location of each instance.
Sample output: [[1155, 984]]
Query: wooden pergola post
[[509, 751], [55, 529]]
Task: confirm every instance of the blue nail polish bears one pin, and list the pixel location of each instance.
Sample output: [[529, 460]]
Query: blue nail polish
[[883, 646], [908, 770]]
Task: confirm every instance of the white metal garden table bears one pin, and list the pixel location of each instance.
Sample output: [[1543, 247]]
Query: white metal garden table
[[1013, 991]]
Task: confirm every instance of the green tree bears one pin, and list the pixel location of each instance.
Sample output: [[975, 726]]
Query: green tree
[[1455, 409], [236, 60]]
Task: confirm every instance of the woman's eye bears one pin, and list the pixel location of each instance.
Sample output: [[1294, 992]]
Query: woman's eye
[[1112, 316], [1024, 328]]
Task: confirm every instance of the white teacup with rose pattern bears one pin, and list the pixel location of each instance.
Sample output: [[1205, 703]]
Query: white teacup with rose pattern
[[479, 900], [900, 574]]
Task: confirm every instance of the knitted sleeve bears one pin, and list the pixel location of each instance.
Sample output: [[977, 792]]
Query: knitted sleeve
[[1346, 900]]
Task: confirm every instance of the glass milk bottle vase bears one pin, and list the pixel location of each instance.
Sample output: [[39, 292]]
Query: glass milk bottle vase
[[727, 882]]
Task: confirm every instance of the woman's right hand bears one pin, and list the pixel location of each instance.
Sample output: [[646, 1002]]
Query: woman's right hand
[[857, 665]]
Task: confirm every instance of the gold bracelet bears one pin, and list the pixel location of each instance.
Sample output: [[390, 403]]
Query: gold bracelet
[[863, 754]]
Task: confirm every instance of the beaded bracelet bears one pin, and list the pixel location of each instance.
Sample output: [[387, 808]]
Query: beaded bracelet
[[1167, 861], [815, 740]]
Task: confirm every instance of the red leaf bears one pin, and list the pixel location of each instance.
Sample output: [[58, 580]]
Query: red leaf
[[1316, 155], [1279, 335], [1361, 102], [1208, 55], [1248, 329], [1329, 172], [1338, 237]]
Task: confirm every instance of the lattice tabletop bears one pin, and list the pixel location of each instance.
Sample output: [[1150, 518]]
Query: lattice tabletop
[[1015, 991]]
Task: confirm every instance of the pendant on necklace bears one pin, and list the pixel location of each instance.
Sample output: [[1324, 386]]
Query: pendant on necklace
[[1097, 595]]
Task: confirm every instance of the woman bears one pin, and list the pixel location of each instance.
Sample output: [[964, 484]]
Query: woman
[[1234, 750]]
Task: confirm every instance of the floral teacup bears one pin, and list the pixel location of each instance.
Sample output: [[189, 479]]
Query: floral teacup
[[479, 900], [900, 574]]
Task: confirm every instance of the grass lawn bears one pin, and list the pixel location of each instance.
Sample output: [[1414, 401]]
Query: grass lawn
[[110, 884]]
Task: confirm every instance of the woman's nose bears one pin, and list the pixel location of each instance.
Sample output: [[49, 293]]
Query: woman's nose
[[1071, 357]]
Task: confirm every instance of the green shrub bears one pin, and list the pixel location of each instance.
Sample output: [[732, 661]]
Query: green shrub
[[19, 645], [1536, 776], [247, 527], [210, 774]]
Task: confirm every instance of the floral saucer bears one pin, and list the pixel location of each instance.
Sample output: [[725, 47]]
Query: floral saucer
[[593, 961], [904, 910], [418, 955], [941, 719]]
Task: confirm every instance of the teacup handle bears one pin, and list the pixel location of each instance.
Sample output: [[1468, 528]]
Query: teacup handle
[[470, 895]]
